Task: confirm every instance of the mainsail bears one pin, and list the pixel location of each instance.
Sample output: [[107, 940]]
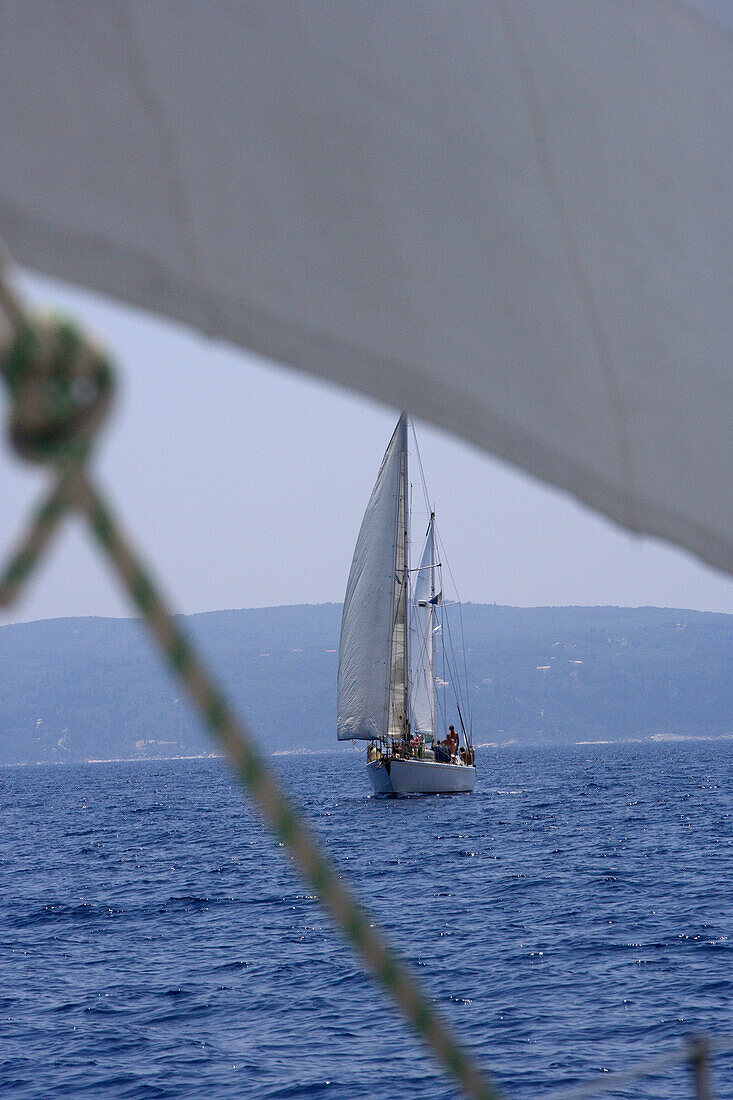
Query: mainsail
[[423, 626], [373, 647], [399, 706]]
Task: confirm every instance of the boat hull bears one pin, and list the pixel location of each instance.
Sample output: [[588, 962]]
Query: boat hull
[[420, 777]]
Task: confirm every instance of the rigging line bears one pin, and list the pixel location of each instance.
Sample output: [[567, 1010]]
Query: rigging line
[[452, 669], [466, 738], [465, 670], [437, 565], [460, 696], [443, 715], [450, 656], [469, 714], [420, 467], [443, 652]]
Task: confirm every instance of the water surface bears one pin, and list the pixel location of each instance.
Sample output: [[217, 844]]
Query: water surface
[[571, 916]]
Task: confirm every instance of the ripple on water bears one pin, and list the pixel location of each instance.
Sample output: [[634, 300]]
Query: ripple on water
[[571, 916]]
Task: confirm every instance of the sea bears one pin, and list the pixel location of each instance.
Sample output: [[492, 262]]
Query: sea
[[572, 916]]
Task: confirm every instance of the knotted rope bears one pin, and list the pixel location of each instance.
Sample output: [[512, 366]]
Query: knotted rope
[[61, 389]]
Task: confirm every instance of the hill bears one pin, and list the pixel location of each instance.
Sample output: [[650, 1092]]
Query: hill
[[92, 688]]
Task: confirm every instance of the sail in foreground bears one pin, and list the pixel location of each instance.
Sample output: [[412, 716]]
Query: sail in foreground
[[387, 659], [579, 327]]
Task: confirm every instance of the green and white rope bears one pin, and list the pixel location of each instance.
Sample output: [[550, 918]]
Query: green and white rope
[[61, 389]]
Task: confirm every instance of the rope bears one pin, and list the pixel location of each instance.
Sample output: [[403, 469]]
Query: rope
[[464, 687], [61, 389], [697, 1050]]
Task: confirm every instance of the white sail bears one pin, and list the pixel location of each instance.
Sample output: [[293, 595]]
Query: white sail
[[399, 706], [512, 218], [422, 640], [368, 621]]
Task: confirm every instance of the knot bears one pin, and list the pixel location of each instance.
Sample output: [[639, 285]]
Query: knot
[[61, 387]]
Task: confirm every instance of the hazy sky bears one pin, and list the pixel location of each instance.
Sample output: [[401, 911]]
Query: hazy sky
[[244, 484]]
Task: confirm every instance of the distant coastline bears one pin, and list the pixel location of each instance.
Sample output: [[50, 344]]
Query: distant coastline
[[206, 756], [95, 690]]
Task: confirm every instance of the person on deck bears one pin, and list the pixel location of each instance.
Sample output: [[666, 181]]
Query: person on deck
[[442, 751], [452, 741]]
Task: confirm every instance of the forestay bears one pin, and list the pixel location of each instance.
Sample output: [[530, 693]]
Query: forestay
[[365, 665], [511, 218]]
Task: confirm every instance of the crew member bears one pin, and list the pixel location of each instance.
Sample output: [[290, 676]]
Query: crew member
[[452, 741]]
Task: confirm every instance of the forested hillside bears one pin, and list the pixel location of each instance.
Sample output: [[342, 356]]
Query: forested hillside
[[75, 689]]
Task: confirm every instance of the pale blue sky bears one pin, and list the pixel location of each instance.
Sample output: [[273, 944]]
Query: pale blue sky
[[244, 484]]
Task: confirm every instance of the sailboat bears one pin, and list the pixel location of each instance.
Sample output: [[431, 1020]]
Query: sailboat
[[387, 653]]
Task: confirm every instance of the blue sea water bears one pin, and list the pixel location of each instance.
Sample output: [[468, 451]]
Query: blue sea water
[[571, 916]]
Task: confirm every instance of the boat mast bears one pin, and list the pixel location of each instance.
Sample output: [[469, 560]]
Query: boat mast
[[405, 580], [431, 624]]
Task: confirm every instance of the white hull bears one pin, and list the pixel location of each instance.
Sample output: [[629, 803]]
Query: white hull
[[420, 777]]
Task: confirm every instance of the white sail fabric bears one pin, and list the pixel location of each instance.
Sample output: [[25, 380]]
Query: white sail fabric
[[512, 218], [422, 641], [399, 706], [365, 665]]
